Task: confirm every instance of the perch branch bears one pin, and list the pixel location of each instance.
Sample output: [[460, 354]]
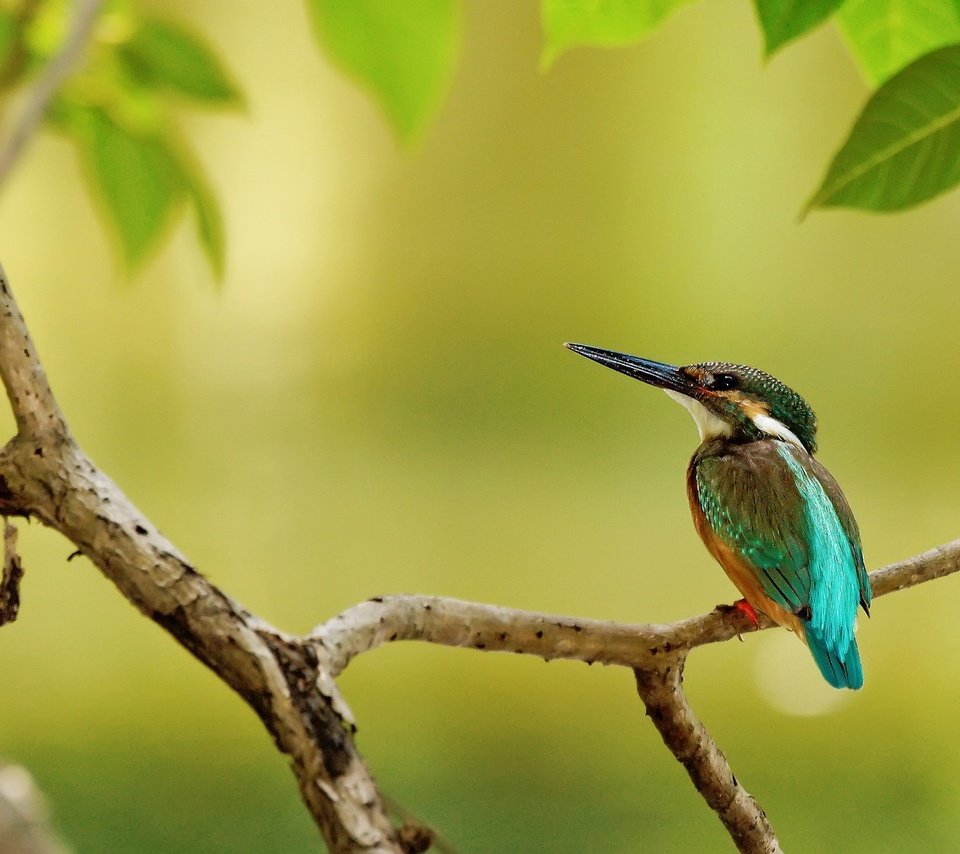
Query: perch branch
[[452, 622], [53, 76]]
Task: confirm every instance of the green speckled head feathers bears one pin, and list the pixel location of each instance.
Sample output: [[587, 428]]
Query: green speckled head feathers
[[745, 396]]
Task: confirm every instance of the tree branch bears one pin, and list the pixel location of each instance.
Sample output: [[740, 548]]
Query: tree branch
[[453, 622], [661, 689], [31, 399], [53, 76]]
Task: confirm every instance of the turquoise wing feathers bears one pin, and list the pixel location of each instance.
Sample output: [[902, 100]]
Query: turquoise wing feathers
[[849, 523], [835, 592], [783, 513]]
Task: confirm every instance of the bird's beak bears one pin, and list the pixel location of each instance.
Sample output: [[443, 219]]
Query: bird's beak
[[653, 373]]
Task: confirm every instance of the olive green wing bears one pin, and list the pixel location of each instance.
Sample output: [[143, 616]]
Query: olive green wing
[[750, 500]]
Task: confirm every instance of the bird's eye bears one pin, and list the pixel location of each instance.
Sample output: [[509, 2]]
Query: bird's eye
[[723, 382]]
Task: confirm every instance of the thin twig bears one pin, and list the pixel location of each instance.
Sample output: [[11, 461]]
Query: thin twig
[[53, 76]]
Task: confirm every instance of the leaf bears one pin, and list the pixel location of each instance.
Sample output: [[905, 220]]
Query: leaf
[[163, 55], [886, 35], [137, 179], [599, 23], [209, 221], [783, 21], [403, 51], [904, 147]]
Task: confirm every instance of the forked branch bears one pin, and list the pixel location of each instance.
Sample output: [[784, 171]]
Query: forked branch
[[657, 654]]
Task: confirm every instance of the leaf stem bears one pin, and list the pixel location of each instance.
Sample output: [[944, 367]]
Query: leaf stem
[[60, 67]]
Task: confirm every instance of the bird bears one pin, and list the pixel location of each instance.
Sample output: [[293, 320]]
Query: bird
[[766, 509]]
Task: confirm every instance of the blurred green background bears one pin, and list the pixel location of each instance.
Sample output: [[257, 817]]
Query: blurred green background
[[377, 401]]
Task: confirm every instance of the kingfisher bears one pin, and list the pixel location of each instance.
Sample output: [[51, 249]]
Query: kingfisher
[[766, 509]]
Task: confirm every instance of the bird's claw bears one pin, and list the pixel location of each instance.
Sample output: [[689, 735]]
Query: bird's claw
[[743, 607]]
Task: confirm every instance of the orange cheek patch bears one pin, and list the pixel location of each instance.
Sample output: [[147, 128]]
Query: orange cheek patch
[[751, 408]]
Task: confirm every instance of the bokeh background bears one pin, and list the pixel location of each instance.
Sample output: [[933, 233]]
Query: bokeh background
[[377, 401]]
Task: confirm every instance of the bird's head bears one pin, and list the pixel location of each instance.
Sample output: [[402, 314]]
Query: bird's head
[[724, 399]]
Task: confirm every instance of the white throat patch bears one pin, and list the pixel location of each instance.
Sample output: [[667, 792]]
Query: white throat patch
[[709, 425]]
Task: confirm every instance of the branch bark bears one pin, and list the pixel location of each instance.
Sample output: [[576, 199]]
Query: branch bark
[[492, 628], [12, 575], [661, 689], [290, 682]]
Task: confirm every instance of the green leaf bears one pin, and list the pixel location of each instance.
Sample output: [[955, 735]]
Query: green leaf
[[886, 35], [599, 23], [209, 221], [783, 21], [403, 51], [163, 55], [137, 179], [905, 146]]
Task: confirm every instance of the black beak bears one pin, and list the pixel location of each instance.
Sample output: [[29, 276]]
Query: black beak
[[653, 373]]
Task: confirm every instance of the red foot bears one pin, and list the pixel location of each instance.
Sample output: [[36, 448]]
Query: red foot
[[745, 608]]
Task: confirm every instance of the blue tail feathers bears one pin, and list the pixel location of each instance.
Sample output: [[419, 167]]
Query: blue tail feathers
[[841, 672]]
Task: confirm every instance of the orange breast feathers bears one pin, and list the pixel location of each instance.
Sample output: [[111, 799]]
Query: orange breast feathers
[[738, 569]]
